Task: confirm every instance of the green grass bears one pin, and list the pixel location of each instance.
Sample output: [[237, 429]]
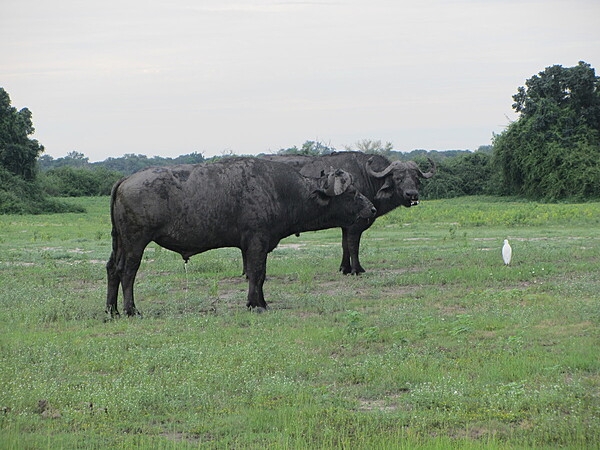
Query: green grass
[[438, 345]]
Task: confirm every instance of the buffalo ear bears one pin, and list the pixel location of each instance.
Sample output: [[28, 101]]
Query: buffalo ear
[[342, 181], [387, 190], [338, 182], [321, 197]]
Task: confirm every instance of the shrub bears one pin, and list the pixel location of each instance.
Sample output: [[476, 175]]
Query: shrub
[[78, 182], [18, 196]]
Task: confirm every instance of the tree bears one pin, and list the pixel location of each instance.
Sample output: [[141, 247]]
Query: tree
[[311, 148], [191, 158], [371, 146], [18, 153], [20, 191], [573, 89], [464, 174], [552, 151]]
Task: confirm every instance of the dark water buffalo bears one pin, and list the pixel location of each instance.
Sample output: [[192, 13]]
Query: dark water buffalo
[[387, 184], [246, 203]]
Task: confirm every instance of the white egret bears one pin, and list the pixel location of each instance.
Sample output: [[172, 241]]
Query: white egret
[[506, 252]]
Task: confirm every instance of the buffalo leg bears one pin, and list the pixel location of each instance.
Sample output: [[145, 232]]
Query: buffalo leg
[[354, 247], [132, 264], [350, 248], [256, 268], [345, 267], [244, 263], [112, 292]]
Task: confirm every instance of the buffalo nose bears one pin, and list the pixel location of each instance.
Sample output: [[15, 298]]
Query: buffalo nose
[[412, 195], [373, 210]]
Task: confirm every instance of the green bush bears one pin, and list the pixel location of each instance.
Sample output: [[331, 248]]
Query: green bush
[[465, 174], [18, 196], [76, 182], [551, 152]]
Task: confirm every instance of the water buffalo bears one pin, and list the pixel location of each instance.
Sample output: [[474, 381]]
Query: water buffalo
[[246, 203], [387, 184]]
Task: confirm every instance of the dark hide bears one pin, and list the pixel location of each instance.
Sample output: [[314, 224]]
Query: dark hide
[[247, 203], [387, 184]]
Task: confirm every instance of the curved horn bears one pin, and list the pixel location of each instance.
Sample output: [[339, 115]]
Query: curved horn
[[384, 172], [431, 172]]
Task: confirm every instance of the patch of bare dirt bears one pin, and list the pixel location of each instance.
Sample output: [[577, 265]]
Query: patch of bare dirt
[[47, 411]]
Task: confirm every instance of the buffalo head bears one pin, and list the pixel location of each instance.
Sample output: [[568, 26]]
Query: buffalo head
[[401, 179], [337, 185]]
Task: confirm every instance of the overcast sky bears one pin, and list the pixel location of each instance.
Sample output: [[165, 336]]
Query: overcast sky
[[166, 78]]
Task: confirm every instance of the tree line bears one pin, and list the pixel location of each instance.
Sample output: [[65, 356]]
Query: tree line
[[74, 176], [460, 172], [550, 153]]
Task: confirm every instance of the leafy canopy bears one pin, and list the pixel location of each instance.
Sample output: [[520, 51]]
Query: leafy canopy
[[18, 153], [311, 148], [552, 151], [20, 191]]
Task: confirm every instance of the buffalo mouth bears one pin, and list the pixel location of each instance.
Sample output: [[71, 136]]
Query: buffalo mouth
[[367, 213], [411, 198]]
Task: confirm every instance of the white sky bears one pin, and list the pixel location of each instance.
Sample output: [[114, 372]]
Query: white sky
[[166, 78]]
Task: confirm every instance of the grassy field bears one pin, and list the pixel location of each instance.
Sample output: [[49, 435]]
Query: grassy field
[[438, 345]]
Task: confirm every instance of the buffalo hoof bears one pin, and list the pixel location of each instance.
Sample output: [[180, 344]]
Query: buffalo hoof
[[258, 309], [351, 271], [134, 313], [112, 313], [345, 270]]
